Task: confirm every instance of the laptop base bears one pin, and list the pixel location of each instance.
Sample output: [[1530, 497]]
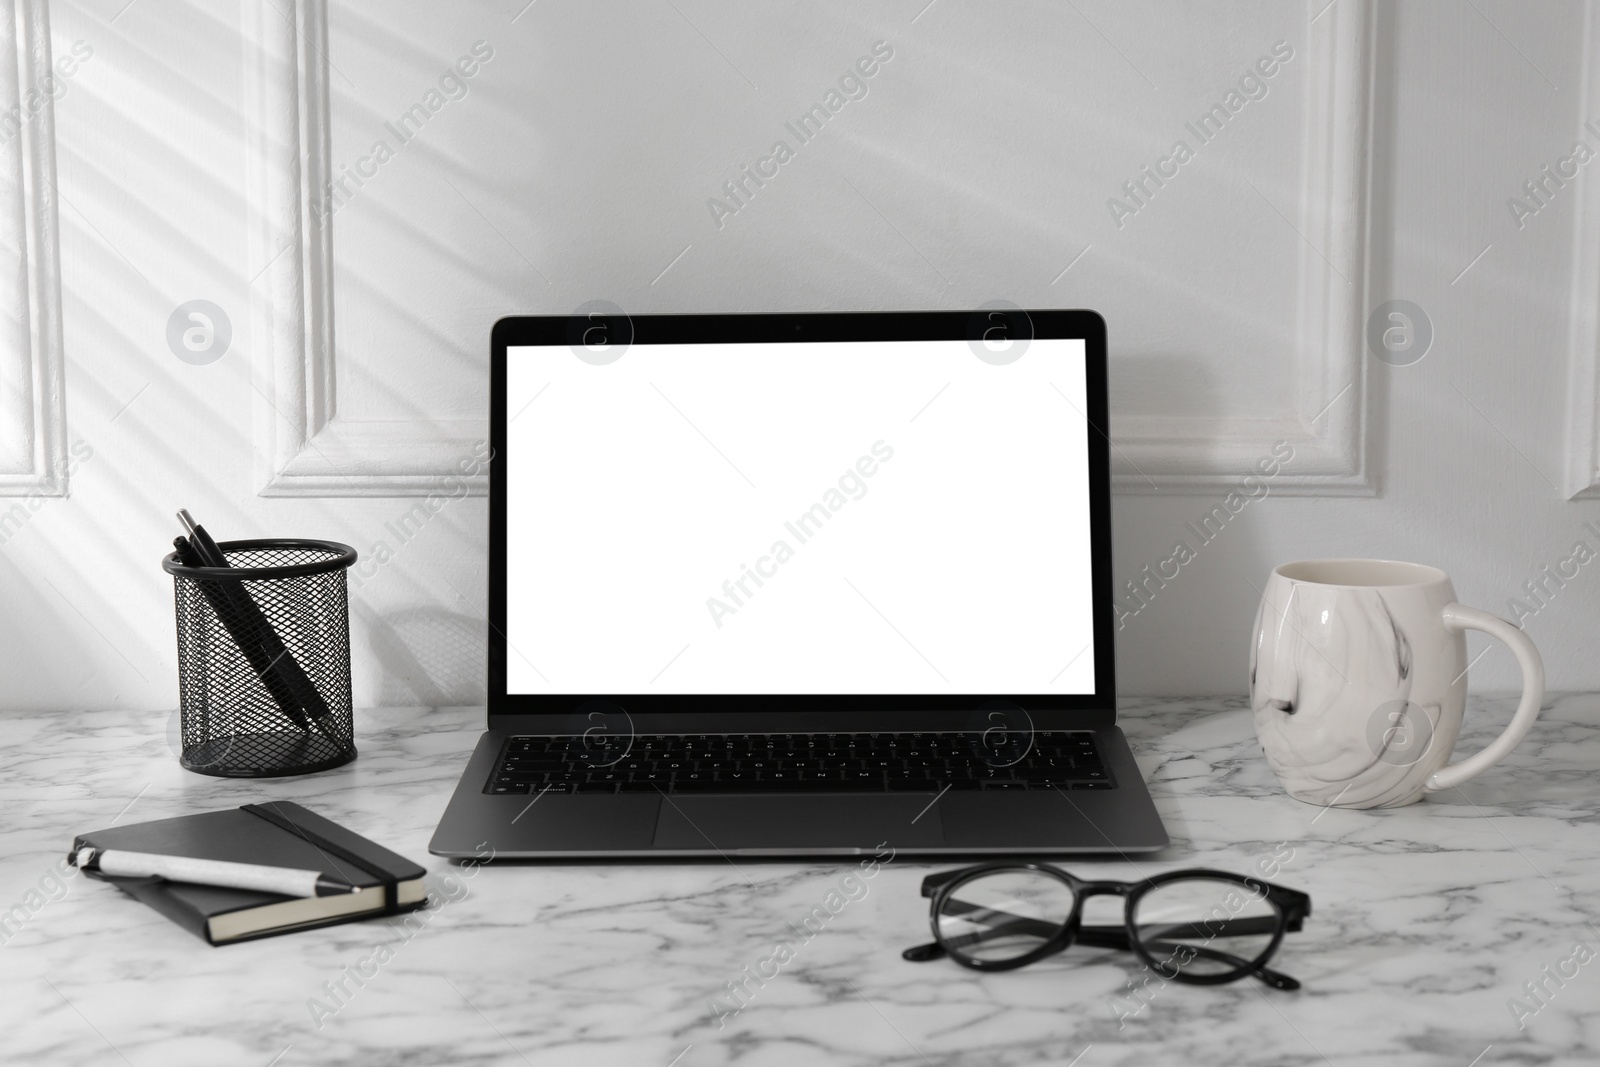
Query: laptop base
[[483, 826]]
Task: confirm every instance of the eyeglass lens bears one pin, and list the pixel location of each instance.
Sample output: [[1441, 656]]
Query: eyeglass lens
[[1004, 915], [1205, 926]]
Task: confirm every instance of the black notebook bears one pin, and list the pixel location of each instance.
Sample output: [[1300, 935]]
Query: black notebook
[[275, 834]]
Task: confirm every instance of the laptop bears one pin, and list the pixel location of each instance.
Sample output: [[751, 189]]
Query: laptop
[[800, 585]]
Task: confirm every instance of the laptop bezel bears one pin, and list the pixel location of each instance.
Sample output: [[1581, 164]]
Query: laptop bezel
[[671, 713]]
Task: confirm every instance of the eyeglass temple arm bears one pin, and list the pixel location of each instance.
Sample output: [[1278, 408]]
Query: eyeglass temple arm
[[1001, 924], [1208, 929], [1004, 923], [1117, 937]]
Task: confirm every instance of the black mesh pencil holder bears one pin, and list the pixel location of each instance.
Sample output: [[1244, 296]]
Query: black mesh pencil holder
[[264, 659]]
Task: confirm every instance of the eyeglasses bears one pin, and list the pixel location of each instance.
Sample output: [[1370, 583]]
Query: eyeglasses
[[1199, 926]]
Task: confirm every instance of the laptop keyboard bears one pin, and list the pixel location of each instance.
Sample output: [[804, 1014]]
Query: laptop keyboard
[[799, 763]]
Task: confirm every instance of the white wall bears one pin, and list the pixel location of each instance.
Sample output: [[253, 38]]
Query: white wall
[[180, 161]]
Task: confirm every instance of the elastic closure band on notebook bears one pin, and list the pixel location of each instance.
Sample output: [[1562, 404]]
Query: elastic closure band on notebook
[[391, 887]]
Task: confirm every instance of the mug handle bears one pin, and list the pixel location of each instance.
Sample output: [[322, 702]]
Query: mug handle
[[1458, 617]]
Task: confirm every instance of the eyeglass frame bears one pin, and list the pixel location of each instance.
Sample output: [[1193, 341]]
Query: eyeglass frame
[[1291, 906]]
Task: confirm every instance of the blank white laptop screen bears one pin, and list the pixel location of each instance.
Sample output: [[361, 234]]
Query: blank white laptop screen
[[875, 517]]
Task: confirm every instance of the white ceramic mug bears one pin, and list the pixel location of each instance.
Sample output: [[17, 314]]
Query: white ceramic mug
[[1358, 679]]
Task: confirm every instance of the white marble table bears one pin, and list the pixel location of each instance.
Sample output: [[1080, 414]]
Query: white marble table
[[1427, 921]]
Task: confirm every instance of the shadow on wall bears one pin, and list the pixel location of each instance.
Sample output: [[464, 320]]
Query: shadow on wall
[[1179, 552], [423, 657]]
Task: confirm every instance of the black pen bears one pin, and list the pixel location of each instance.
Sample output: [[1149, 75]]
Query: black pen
[[277, 666], [226, 604]]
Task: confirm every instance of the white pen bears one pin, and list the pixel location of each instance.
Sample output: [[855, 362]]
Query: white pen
[[283, 880]]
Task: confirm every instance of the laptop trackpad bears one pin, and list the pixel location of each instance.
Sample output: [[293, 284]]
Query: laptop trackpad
[[1034, 819], [755, 824]]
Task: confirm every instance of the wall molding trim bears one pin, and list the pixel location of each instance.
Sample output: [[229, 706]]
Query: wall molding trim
[[303, 447], [1328, 428], [33, 415], [1580, 475]]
